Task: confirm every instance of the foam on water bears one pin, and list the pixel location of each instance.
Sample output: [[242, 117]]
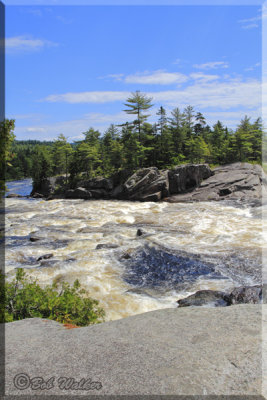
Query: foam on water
[[71, 230]]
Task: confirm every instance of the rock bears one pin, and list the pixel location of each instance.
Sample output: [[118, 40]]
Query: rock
[[238, 182], [48, 263], [154, 267], [140, 232], [37, 196], [49, 186], [147, 184], [241, 182], [213, 298], [121, 176], [125, 256], [106, 246], [151, 197], [99, 194], [13, 195], [45, 256], [98, 183], [215, 352], [187, 177], [35, 238], [246, 294], [118, 192], [78, 193], [210, 298]]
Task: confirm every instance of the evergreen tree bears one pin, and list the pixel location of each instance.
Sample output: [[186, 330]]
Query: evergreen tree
[[41, 166], [61, 151], [6, 138], [178, 135], [137, 103], [242, 140], [165, 139]]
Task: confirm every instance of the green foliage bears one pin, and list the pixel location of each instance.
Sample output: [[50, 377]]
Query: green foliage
[[6, 138], [41, 166], [61, 153], [25, 298], [136, 104], [181, 138]]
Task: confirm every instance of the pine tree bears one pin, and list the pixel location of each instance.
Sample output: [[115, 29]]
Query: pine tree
[[137, 103]]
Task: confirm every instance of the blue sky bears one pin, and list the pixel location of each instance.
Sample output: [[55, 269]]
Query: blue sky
[[72, 67]]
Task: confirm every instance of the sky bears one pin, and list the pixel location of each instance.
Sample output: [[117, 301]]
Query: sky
[[69, 68]]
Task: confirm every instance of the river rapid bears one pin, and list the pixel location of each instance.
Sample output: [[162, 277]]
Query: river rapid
[[179, 249]]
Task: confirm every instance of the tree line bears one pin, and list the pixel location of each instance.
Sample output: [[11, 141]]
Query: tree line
[[181, 137]]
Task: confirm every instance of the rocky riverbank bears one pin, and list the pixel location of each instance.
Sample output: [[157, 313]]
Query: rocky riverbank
[[182, 351], [241, 182]]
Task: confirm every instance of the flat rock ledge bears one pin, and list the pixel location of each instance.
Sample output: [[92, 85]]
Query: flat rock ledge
[[238, 182], [187, 351]]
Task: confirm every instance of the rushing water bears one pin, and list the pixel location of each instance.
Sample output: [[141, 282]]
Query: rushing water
[[183, 248]]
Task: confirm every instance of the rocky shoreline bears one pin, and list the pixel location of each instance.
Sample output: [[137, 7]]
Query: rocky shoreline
[[238, 182]]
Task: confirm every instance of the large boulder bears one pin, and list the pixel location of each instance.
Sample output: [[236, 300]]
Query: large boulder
[[187, 177], [214, 298], [78, 193], [97, 183], [243, 182], [49, 186], [210, 298], [146, 184], [246, 294]]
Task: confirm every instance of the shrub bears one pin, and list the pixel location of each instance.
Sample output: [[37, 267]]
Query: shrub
[[25, 298]]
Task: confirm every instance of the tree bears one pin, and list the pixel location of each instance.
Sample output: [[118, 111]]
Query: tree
[[198, 149], [41, 167], [6, 139], [165, 138], [111, 150], [200, 124], [257, 140], [177, 131], [61, 150], [219, 141], [137, 103], [88, 158], [242, 140]]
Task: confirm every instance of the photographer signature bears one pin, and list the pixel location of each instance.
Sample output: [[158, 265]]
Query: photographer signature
[[22, 381]]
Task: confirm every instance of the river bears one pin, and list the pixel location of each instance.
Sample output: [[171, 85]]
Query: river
[[182, 248]]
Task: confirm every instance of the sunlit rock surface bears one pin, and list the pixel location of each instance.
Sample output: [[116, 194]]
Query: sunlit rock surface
[[182, 351]]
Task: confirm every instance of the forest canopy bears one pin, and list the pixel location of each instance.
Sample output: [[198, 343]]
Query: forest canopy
[[181, 137]]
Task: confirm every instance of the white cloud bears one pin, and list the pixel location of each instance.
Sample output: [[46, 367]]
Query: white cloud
[[159, 77], [26, 43], [72, 129], [37, 129], [250, 26], [230, 118], [253, 67], [220, 95], [212, 65], [253, 19], [253, 22], [88, 97], [202, 93], [203, 77]]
